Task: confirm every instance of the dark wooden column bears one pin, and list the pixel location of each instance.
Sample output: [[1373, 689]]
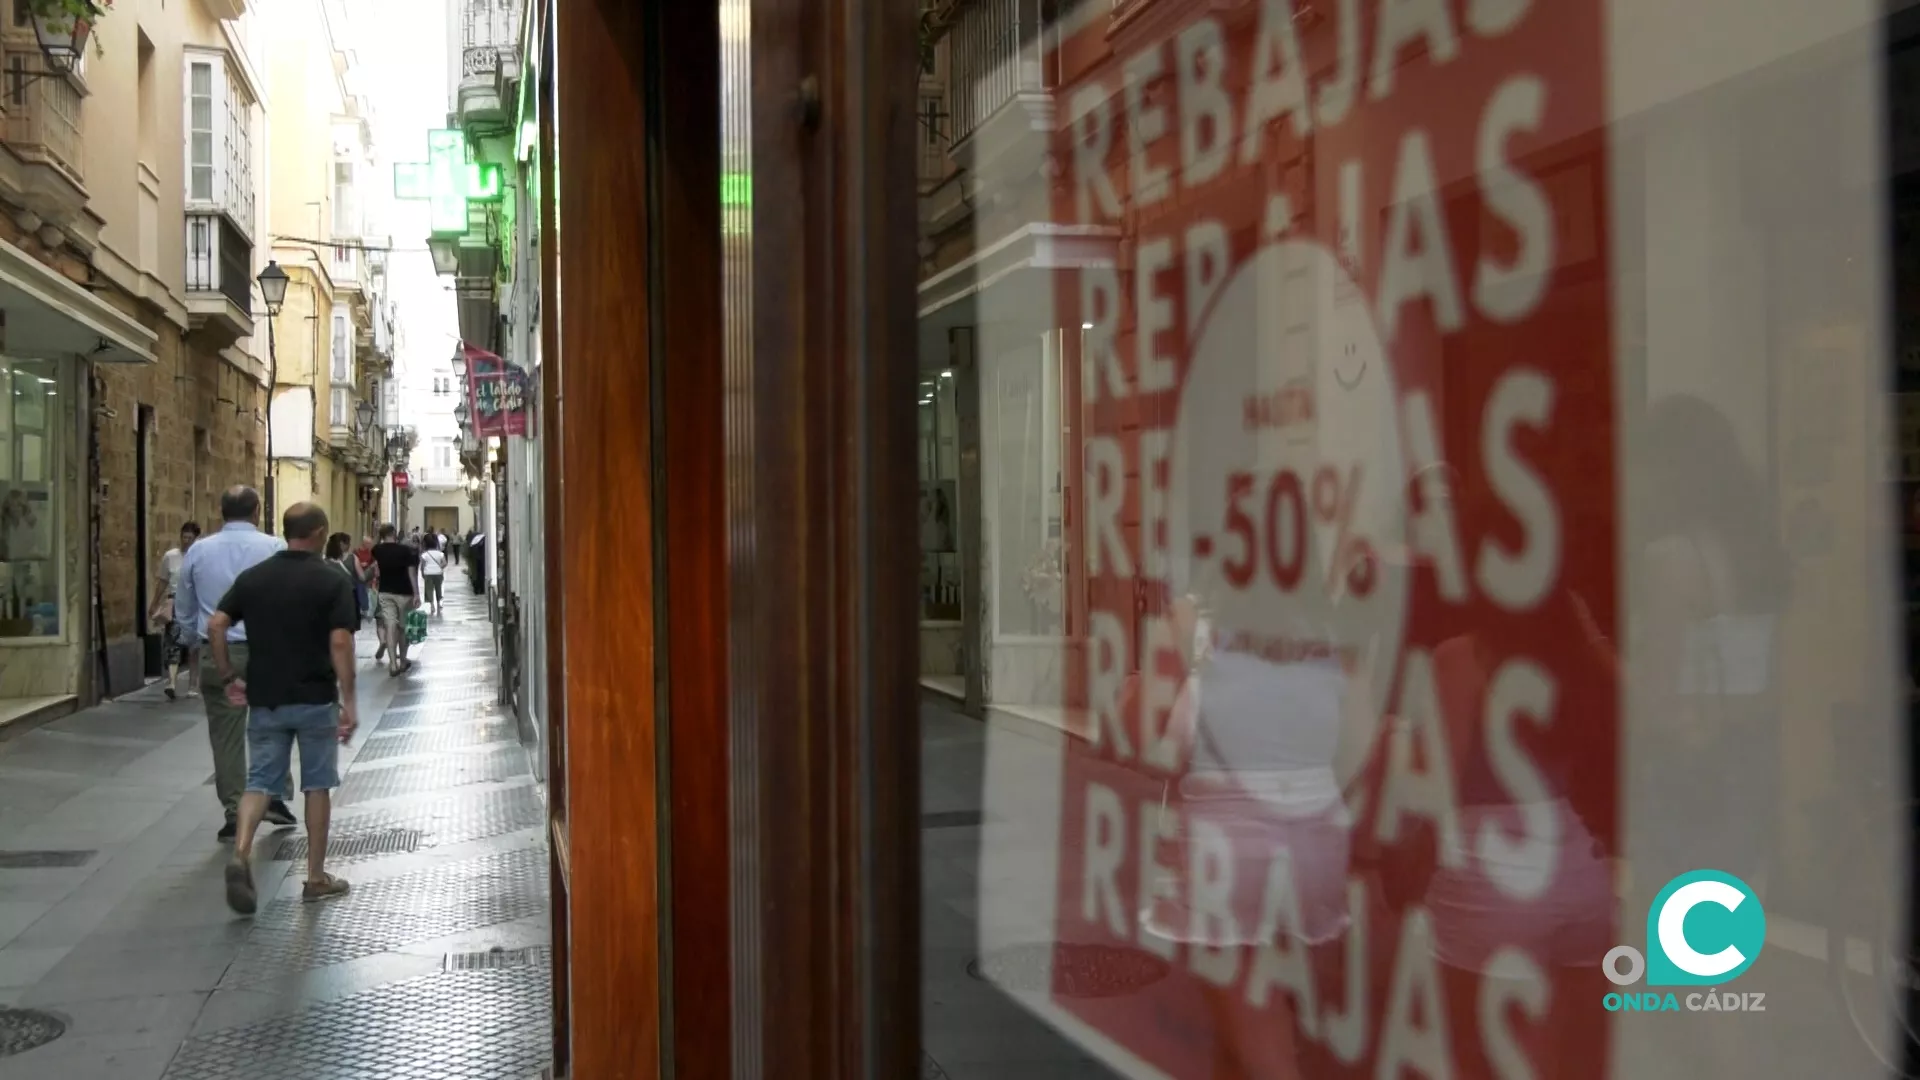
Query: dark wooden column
[[601, 541], [540, 68], [691, 516], [821, 387]]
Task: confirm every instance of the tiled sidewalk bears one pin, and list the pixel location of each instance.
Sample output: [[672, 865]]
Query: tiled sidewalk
[[113, 928]]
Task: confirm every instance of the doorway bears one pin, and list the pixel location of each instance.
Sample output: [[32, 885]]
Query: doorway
[[444, 519]]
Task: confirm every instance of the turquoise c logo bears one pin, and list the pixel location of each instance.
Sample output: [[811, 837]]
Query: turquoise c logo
[[1704, 927]]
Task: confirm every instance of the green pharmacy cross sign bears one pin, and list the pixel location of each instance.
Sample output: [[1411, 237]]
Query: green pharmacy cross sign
[[447, 181]]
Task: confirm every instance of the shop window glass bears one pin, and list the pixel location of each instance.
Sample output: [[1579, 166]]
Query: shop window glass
[[32, 430], [1436, 482]]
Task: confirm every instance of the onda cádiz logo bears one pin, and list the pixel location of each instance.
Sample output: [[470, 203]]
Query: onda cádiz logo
[[1704, 928]]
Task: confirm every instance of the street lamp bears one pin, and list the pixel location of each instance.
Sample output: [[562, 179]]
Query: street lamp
[[445, 251], [365, 415], [273, 287], [62, 36], [460, 414], [460, 361], [273, 291]]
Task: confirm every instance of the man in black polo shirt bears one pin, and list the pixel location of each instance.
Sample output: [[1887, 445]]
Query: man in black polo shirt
[[399, 573], [300, 615]]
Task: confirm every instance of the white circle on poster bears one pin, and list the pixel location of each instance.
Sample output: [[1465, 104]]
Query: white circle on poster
[[1287, 483]]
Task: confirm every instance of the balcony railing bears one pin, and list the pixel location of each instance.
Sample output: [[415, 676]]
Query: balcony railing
[[932, 133], [43, 115], [995, 53], [219, 259], [490, 22]]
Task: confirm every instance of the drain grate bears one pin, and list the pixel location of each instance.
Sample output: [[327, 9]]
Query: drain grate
[[1077, 971], [43, 860], [496, 957], [383, 842], [23, 1029]]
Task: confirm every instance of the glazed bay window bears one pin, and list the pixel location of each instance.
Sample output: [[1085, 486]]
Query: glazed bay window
[[31, 433], [340, 407], [346, 201], [219, 149], [342, 345]]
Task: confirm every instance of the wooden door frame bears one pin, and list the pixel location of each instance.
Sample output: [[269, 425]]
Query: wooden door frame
[[731, 545], [822, 380]]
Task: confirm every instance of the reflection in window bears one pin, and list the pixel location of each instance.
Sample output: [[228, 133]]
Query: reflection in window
[[1022, 469], [29, 500]]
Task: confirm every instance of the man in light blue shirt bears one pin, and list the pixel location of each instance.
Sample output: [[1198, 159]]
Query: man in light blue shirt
[[205, 576]]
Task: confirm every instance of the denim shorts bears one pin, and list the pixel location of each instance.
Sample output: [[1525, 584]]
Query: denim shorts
[[271, 734]]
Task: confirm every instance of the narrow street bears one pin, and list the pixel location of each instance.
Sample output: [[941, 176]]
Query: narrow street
[[113, 931]]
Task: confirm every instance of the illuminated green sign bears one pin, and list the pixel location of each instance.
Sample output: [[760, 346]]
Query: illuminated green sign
[[447, 181], [736, 189]]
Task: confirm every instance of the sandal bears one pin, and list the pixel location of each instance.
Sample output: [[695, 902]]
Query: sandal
[[326, 888]]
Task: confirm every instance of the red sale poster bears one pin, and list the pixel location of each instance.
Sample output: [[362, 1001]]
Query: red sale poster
[[1342, 797]]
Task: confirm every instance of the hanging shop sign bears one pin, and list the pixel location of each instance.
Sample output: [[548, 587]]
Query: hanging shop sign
[[400, 480], [498, 395]]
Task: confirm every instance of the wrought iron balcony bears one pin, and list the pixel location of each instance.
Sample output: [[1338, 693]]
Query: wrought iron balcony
[[489, 63], [996, 54], [219, 277]]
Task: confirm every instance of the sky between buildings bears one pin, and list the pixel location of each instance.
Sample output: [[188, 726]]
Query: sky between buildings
[[401, 46]]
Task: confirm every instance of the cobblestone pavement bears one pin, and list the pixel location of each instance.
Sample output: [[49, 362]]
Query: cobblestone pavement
[[436, 965]]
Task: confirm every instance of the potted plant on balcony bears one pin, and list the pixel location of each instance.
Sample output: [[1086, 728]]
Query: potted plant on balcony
[[63, 27]]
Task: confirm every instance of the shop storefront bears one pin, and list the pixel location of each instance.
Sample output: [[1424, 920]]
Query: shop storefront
[[1403, 520], [52, 332]]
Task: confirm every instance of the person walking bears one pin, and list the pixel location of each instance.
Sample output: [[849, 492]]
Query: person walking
[[433, 569], [206, 573], [399, 593], [297, 689], [161, 613], [363, 556], [340, 553]]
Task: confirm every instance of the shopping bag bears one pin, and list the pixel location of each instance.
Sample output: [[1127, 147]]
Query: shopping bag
[[416, 626]]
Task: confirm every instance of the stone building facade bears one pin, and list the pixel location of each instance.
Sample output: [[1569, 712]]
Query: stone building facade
[[201, 417]]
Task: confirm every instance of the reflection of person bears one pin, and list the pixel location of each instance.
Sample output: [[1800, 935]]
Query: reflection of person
[[179, 653], [936, 520], [1264, 738], [208, 571], [298, 688], [1714, 578], [20, 528]]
